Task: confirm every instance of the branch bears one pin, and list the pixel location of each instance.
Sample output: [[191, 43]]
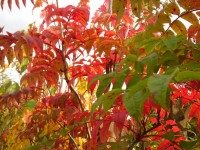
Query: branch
[[74, 91], [139, 137], [181, 15], [69, 135]]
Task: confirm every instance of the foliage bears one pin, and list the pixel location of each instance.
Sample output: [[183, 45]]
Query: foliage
[[130, 79]]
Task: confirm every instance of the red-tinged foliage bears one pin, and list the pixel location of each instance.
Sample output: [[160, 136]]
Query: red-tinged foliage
[[120, 81]]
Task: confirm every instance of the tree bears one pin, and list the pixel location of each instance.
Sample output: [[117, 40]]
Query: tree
[[129, 80]]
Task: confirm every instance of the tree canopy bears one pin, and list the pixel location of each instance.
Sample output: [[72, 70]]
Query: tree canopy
[[128, 78]]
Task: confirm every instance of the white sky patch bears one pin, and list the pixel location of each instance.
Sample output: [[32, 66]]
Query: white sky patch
[[19, 19]]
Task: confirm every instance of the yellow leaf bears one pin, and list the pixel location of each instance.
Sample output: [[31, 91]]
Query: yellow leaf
[[172, 8], [190, 17], [44, 131], [179, 27], [163, 18]]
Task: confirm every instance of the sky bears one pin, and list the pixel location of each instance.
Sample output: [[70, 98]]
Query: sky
[[18, 19]]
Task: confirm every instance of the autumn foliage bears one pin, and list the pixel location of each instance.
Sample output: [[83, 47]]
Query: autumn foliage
[[126, 78]]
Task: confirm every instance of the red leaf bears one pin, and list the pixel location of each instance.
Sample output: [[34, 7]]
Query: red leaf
[[192, 30], [164, 145], [199, 123], [90, 77], [194, 110], [32, 1], [1, 29], [104, 132], [17, 3], [119, 118], [10, 4], [24, 2]]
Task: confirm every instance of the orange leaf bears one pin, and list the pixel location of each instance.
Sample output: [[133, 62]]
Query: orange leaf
[[189, 4], [192, 30], [57, 64], [194, 111], [2, 58], [2, 3], [198, 37], [10, 55]]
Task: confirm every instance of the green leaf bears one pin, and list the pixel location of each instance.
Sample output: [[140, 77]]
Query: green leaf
[[118, 7], [151, 44], [153, 28], [24, 65], [151, 61], [134, 103], [171, 43], [139, 66], [13, 87], [187, 76], [119, 145], [135, 97], [158, 87], [34, 147], [64, 131], [134, 79], [120, 78], [194, 66], [31, 105], [107, 99], [169, 135], [136, 7], [5, 86], [53, 90], [196, 54], [104, 81], [135, 39], [187, 145], [129, 60], [99, 77], [169, 58], [103, 85], [190, 17]]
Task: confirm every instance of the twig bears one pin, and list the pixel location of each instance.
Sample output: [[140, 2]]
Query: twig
[[139, 137], [69, 136], [181, 15]]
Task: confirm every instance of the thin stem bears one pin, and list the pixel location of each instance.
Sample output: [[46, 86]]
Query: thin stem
[[181, 15], [139, 137], [74, 142], [57, 3]]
